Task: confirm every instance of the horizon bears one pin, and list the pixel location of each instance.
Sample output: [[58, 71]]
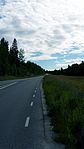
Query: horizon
[[51, 33]]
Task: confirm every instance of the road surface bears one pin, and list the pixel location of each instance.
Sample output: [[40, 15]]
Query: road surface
[[21, 115]]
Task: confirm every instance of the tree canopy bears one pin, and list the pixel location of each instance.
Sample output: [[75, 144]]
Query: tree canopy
[[73, 70], [12, 61]]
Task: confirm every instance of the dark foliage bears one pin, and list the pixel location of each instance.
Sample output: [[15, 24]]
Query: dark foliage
[[73, 70], [12, 61]]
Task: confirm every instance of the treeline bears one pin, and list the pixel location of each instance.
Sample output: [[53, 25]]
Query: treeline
[[73, 70], [12, 61]]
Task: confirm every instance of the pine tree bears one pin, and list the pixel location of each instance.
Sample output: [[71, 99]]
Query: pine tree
[[4, 55], [14, 60], [21, 55], [14, 52]]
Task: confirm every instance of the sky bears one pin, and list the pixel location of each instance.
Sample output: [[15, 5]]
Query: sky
[[51, 32]]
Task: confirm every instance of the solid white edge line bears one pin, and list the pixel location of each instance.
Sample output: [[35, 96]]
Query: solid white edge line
[[8, 85], [31, 104], [27, 122]]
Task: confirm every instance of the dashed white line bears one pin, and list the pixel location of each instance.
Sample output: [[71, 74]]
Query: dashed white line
[[7, 85], [27, 122], [35, 91], [31, 103], [33, 96]]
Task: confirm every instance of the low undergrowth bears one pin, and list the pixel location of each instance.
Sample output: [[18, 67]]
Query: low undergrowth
[[6, 77], [65, 102]]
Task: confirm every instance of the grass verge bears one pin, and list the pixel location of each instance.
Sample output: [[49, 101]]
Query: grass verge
[[7, 77], [65, 100]]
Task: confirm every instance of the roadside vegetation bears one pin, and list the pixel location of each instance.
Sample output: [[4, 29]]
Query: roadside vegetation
[[12, 62], [73, 70], [65, 99]]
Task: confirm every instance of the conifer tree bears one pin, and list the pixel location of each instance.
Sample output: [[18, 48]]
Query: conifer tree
[[14, 53]]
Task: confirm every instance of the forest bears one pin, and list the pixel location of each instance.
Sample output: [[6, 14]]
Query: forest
[[12, 61], [73, 70]]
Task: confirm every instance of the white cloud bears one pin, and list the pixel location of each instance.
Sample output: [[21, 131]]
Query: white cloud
[[43, 57], [43, 25], [65, 62]]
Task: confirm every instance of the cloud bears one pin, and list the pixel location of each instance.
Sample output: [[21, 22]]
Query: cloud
[[44, 29], [65, 62], [36, 54], [2, 2], [68, 28]]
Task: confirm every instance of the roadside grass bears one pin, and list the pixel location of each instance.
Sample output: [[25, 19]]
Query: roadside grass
[[7, 77], [65, 99]]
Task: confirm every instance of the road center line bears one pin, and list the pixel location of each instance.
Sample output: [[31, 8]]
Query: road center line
[[33, 96], [7, 85], [27, 122], [31, 103]]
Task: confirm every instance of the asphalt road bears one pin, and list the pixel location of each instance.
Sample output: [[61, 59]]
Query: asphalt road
[[22, 124], [21, 118]]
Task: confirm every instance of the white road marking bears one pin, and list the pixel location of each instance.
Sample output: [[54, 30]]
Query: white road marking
[[27, 122], [31, 103], [7, 85], [35, 91], [36, 88], [33, 96]]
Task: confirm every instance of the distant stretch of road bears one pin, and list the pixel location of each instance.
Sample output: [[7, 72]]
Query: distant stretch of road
[[21, 118]]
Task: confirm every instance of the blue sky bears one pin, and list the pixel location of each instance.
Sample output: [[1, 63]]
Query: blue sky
[[50, 32]]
